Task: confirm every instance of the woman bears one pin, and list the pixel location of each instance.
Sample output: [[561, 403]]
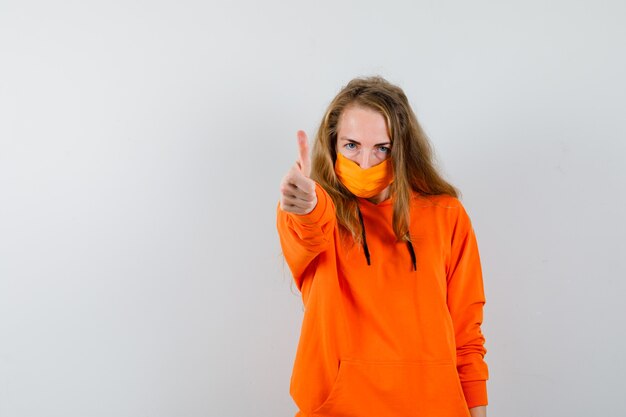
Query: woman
[[387, 263]]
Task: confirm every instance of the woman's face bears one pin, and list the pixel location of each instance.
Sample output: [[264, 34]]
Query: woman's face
[[362, 136]]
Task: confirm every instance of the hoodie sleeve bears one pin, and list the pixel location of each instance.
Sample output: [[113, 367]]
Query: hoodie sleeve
[[465, 302], [303, 237]]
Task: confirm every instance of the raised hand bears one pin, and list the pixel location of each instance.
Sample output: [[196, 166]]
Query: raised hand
[[297, 190]]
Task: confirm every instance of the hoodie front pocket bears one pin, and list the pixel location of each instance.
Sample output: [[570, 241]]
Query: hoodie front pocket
[[381, 389]]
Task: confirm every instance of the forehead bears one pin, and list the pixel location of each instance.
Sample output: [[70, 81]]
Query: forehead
[[362, 124]]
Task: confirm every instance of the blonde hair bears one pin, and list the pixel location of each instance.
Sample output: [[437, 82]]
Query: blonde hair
[[411, 154]]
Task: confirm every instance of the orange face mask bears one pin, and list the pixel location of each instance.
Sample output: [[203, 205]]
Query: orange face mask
[[365, 183]]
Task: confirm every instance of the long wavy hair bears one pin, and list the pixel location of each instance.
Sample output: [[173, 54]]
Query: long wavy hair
[[411, 154]]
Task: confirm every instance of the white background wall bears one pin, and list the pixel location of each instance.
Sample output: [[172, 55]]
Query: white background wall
[[141, 148]]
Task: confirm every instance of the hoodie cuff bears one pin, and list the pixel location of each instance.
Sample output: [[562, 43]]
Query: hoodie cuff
[[318, 212], [475, 393]]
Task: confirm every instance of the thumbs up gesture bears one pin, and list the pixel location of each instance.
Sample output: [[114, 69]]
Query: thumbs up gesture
[[297, 190]]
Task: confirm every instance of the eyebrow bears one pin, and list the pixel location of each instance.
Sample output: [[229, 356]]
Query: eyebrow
[[358, 143]]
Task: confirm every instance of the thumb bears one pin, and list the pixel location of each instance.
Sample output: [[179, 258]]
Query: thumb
[[304, 159]]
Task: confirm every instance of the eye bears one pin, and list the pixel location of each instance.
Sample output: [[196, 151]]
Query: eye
[[384, 149], [350, 146]]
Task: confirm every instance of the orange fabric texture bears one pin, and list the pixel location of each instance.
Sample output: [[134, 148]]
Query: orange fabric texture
[[386, 340], [361, 182]]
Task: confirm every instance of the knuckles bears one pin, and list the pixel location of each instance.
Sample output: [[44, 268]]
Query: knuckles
[[297, 191]]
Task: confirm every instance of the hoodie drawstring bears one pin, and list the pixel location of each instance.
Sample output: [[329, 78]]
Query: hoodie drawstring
[[412, 252], [367, 251]]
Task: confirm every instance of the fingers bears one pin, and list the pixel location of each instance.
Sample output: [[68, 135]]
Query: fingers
[[296, 206], [299, 180], [297, 189], [304, 158], [297, 192], [297, 185]]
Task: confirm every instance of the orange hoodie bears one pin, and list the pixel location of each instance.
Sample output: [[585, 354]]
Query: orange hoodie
[[386, 340]]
